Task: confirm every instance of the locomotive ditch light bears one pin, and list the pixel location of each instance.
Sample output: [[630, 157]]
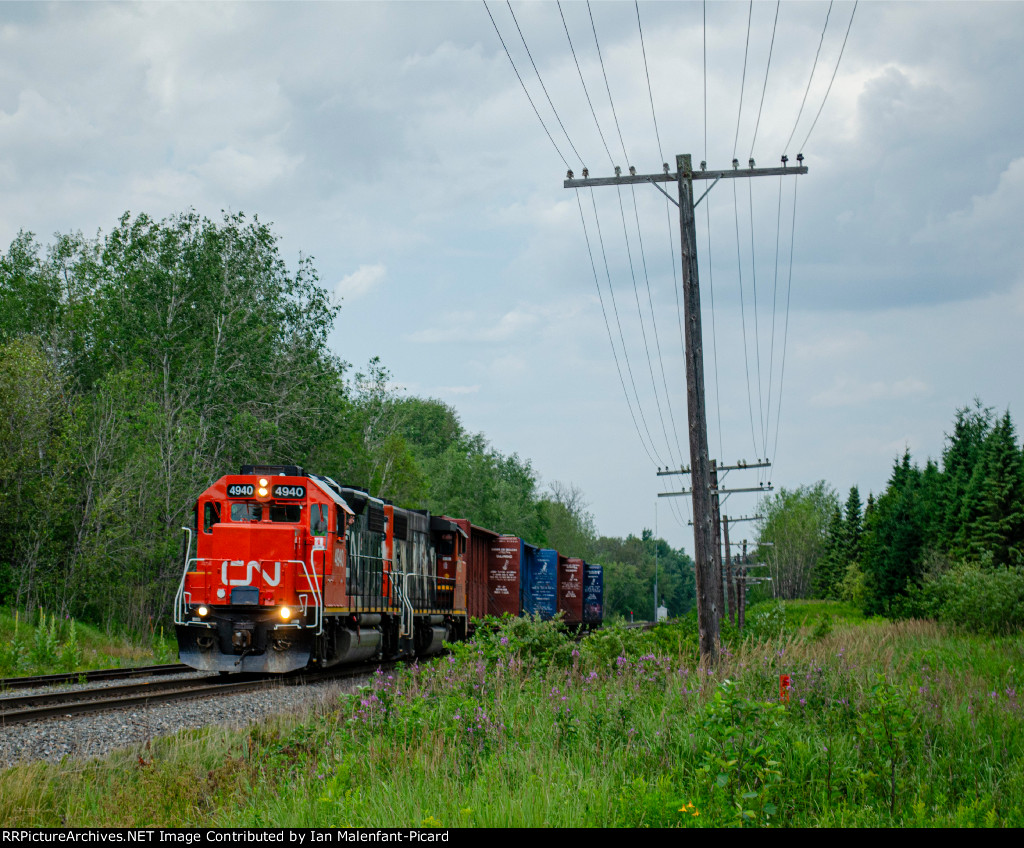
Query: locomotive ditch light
[[202, 611], [286, 613]]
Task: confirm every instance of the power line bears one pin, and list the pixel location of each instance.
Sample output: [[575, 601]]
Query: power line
[[810, 79], [707, 210], [525, 91], [541, 81], [757, 332], [587, 93], [643, 331], [606, 85], [743, 81], [785, 334], [850, 24], [743, 315], [764, 88], [650, 93], [618, 322], [775, 290], [607, 326]]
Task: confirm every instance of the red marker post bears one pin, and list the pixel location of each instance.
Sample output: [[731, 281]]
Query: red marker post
[[784, 683]]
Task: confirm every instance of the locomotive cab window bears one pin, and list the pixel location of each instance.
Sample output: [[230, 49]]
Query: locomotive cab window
[[244, 512], [446, 547], [211, 515], [318, 514], [288, 513]]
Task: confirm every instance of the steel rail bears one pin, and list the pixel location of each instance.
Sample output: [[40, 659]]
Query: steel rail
[[20, 709], [90, 676]]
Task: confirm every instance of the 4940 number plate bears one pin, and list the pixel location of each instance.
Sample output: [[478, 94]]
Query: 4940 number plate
[[289, 492]]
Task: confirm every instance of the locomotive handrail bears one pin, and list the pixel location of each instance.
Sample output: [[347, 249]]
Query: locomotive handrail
[[403, 597], [179, 596], [314, 586]]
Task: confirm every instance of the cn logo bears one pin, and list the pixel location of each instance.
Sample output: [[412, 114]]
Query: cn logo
[[251, 568]]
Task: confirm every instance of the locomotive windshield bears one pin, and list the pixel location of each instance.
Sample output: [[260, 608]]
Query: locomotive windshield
[[280, 513]]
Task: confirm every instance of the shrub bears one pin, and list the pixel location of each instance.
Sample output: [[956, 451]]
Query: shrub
[[979, 600]]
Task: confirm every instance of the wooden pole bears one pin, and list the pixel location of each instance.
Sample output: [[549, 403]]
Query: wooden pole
[[716, 517], [708, 608], [742, 600], [729, 581]]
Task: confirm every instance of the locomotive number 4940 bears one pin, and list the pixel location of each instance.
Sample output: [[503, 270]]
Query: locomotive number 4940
[[289, 491]]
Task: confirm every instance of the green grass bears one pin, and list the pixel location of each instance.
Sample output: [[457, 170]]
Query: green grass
[[43, 643], [888, 724]]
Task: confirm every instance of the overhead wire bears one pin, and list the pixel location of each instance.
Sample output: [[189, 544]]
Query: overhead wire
[[814, 66], [753, 261], [523, 84], [590, 103], [607, 326], [650, 300], [743, 82], [775, 290], [622, 338], [541, 81], [611, 161], [625, 230], [764, 88], [785, 333], [840, 59], [736, 215], [707, 210], [606, 85]]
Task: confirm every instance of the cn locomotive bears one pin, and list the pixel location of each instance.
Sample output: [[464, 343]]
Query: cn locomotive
[[292, 570]]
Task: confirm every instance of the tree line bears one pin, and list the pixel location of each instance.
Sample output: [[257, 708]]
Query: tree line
[[901, 552], [140, 365]]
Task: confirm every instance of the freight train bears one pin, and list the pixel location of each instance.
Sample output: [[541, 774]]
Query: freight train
[[292, 570]]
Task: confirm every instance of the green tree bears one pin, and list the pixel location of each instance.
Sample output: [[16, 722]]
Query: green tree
[[992, 513], [793, 536], [894, 537]]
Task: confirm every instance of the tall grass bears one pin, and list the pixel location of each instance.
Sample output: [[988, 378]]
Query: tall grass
[[887, 724], [43, 643]]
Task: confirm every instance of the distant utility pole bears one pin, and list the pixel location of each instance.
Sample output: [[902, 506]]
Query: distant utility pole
[[704, 544], [729, 581]]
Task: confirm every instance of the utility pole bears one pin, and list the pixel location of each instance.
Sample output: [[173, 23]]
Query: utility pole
[[728, 572], [741, 569], [716, 520], [742, 601], [704, 543]]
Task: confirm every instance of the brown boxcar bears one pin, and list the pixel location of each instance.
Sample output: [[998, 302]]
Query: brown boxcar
[[570, 589], [503, 575], [478, 559]]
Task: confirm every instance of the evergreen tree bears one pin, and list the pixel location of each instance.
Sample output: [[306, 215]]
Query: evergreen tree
[[959, 460], [894, 538], [992, 514]]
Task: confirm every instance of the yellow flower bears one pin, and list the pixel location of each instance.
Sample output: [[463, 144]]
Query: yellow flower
[[696, 812]]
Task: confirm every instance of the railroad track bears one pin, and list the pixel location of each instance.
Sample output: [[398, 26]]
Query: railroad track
[[23, 708], [91, 676]]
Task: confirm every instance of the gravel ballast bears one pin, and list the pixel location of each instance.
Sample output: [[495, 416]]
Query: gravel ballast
[[97, 735]]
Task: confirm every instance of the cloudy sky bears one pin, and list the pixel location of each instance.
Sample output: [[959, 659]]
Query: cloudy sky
[[394, 144]]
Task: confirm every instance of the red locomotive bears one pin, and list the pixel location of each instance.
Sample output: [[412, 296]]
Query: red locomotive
[[293, 570]]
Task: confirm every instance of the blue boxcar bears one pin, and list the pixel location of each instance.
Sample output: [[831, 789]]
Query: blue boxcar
[[593, 593], [540, 581]]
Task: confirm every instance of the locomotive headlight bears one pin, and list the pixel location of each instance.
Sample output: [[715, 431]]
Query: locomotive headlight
[[286, 613], [262, 492], [264, 481], [202, 611]]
